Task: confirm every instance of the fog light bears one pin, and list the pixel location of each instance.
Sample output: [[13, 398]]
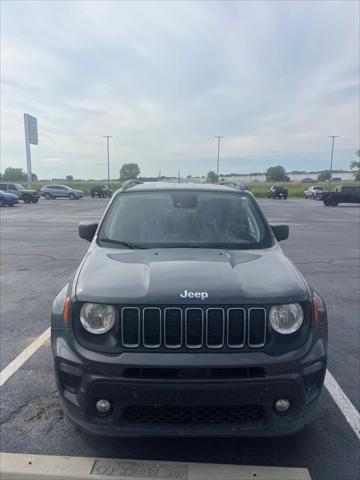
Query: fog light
[[103, 406], [282, 405]]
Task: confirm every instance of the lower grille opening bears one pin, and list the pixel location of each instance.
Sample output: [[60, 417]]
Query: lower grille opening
[[195, 415], [192, 373]]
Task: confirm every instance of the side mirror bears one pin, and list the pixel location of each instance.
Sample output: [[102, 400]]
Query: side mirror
[[281, 232], [87, 230]]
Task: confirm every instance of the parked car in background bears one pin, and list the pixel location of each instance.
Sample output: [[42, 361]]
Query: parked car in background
[[9, 199], [308, 180], [312, 192], [278, 192], [60, 191], [342, 194], [100, 191], [27, 196]]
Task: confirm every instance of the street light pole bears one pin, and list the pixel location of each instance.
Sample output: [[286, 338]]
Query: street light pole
[[218, 155], [108, 156], [331, 160]]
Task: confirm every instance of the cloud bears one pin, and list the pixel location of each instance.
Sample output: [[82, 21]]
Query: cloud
[[164, 77]]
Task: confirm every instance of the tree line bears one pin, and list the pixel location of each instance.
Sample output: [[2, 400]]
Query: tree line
[[132, 170]]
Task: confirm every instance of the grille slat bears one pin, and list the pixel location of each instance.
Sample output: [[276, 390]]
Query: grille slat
[[215, 327], [236, 325], [130, 327], [193, 327], [152, 327], [173, 327], [257, 327]]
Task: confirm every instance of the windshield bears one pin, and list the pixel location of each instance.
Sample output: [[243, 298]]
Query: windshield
[[19, 186], [186, 219]]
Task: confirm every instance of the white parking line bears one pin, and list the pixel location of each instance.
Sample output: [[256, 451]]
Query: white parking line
[[347, 408], [13, 366], [338, 395]]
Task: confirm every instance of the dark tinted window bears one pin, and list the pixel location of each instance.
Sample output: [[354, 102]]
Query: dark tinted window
[[186, 218]]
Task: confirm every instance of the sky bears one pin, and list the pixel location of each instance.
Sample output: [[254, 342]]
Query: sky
[[275, 78]]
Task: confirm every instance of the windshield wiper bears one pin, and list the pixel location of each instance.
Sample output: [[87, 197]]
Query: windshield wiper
[[121, 242]]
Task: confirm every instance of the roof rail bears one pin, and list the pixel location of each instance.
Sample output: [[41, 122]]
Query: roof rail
[[131, 183]]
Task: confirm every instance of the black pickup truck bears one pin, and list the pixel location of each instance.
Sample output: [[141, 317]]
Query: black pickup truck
[[278, 192], [342, 194]]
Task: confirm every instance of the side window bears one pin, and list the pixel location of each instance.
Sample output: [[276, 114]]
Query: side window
[[11, 186], [3, 186]]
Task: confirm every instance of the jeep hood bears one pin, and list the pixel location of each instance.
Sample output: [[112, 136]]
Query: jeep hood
[[159, 276]]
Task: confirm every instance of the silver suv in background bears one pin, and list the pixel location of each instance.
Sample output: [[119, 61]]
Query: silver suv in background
[[61, 191], [314, 192]]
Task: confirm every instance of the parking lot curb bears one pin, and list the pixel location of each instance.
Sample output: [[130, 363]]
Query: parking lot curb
[[15, 466]]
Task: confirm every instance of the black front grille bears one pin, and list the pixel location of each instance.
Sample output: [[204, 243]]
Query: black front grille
[[193, 327], [193, 415]]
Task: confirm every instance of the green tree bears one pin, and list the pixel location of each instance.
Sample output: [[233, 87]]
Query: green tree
[[211, 177], [276, 174], [324, 176], [129, 171], [69, 178], [355, 165], [14, 175]]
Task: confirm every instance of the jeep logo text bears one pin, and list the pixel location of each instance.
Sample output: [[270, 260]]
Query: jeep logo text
[[187, 294]]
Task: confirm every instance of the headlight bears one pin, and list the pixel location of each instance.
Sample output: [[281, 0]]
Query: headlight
[[97, 318], [286, 319]]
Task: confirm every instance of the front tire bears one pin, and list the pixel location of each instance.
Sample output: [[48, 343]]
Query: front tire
[[71, 196], [47, 196], [2, 203], [27, 199]]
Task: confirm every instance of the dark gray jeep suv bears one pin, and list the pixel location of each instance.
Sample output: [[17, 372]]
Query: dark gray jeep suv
[[186, 318]]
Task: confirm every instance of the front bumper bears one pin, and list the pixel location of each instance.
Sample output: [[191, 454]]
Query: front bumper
[[195, 404]]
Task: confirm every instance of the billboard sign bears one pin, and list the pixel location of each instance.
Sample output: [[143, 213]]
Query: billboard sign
[[31, 127], [31, 137]]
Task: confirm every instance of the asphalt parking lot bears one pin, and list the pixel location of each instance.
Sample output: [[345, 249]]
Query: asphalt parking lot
[[39, 250]]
